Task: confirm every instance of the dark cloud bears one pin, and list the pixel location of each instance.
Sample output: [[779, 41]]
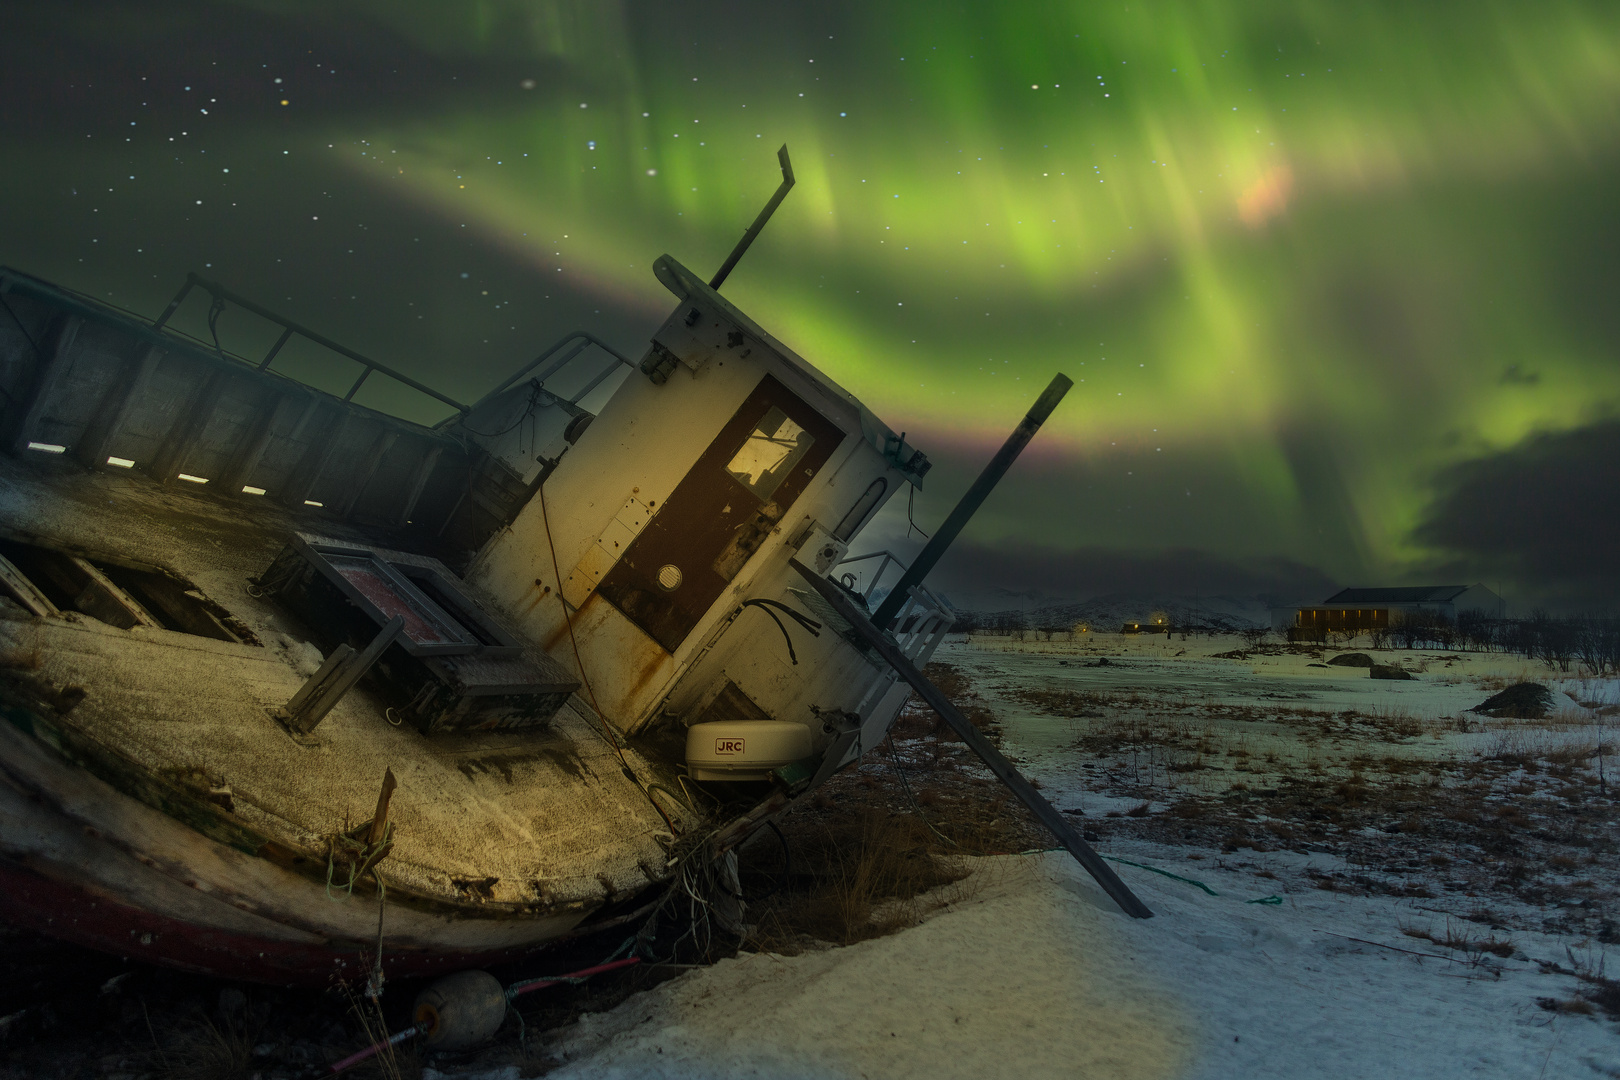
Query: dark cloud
[[1544, 514], [984, 577]]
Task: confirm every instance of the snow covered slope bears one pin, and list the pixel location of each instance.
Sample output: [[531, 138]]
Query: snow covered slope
[[1034, 973]]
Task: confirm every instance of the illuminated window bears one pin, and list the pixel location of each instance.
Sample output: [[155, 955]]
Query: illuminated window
[[771, 451]]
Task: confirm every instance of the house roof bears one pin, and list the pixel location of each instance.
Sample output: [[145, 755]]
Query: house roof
[[1420, 594]]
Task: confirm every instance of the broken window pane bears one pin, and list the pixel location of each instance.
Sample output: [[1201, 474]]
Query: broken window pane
[[772, 449]]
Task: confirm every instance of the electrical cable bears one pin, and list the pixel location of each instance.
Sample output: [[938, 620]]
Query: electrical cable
[[799, 617], [690, 787], [793, 656], [805, 621], [215, 310], [910, 498], [528, 411], [781, 878]]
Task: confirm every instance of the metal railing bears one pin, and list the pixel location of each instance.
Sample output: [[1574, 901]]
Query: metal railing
[[886, 556], [222, 296], [570, 345], [923, 617], [579, 341]]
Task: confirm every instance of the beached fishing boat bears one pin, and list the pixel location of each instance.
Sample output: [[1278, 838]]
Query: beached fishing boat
[[234, 601], [293, 685]]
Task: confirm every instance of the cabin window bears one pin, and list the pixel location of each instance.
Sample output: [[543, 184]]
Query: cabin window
[[862, 508], [769, 453]]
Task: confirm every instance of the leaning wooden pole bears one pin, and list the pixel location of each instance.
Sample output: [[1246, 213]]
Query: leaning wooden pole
[[988, 479], [885, 646]]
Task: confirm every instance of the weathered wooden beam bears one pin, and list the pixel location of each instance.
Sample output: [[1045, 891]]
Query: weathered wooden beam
[[312, 686], [50, 371], [419, 481], [104, 599], [1049, 816], [301, 484], [115, 408], [24, 591], [187, 432], [275, 407], [369, 464], [314, 700]]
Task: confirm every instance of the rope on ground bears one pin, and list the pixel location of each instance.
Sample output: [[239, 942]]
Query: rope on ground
[[362, 857], [1269, 901], [374, 981], [612, 963], [1166, 873]]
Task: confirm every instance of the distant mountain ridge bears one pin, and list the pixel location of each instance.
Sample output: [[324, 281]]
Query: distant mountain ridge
[[1109, 612]]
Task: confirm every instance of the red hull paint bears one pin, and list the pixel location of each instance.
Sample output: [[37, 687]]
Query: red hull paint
[[33, 901]]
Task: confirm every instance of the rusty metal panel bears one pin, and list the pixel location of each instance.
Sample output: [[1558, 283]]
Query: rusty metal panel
[[601, 556], [720, 512]]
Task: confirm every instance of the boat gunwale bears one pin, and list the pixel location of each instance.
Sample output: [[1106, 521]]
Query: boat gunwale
[[212, 822]]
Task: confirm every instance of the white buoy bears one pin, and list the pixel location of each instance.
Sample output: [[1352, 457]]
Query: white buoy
[[460, 1010]]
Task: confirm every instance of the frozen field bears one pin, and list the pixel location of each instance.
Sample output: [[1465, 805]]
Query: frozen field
[[1368, 880]]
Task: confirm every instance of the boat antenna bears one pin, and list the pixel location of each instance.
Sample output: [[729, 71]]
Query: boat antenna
[[759, 222]]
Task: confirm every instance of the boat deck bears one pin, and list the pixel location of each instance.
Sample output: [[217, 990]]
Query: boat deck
[[537, 820]]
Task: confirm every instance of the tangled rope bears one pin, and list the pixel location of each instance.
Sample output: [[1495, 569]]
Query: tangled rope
[[360, 856]]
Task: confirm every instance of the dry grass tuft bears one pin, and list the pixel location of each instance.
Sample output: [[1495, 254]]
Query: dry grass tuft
[[1460, 940], [403, 1062], [917, 720], [1598, 990], [203, 1049], [858, 877], [1570, 1006]]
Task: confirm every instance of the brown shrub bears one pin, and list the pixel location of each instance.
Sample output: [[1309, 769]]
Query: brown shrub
[[865, 876]]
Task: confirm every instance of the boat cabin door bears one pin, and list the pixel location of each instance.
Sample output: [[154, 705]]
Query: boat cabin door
[[720, 513]]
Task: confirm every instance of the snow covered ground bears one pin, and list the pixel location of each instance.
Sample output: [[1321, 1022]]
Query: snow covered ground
[[1034, 973], [1029, 970]]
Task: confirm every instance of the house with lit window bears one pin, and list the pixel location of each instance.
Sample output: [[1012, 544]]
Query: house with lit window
[[1359, 610]]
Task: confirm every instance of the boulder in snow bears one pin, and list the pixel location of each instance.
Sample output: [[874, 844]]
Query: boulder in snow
[[1524, 701]]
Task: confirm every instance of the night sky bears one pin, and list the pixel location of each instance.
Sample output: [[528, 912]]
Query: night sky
[[1338, 283]]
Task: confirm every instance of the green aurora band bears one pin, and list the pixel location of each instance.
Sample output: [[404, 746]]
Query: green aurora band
[[1301, 258]]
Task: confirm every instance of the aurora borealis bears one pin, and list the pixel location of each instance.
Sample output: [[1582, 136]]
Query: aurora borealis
[[1337, 282]]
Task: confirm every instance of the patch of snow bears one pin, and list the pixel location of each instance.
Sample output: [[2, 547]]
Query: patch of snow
[[305, 658], [1033, 972], [1036, 974]]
